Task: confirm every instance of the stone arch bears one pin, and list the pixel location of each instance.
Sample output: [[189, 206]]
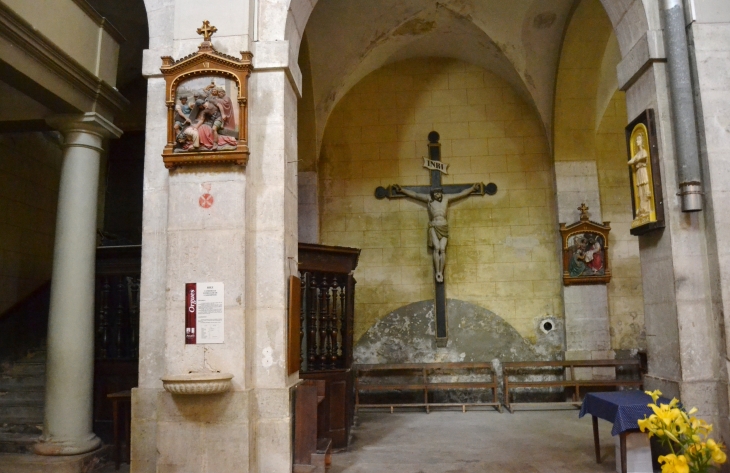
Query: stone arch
[[160, 23], [631, 20]]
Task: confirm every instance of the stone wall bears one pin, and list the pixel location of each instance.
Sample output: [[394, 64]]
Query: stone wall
[[590, 163], [502, 249], [625, 292], [30, 166]]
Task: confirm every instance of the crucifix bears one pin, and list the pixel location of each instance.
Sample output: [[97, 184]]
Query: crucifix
[[437, 199]]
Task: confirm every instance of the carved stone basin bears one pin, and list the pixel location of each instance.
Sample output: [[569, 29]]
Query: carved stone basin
[[197, 383]]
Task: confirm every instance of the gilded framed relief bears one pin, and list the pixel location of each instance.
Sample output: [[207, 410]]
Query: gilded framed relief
[[585, 251], [207, 105], [646, 182]]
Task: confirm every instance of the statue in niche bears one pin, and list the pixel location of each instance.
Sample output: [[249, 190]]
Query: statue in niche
[[438, 225], [646, 181], [639, 163]]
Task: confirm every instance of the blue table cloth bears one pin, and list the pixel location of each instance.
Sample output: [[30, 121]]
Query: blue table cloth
[[622, 408]]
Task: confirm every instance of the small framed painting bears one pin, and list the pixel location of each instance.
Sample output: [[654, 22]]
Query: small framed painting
[[207, 105], [585, 251]]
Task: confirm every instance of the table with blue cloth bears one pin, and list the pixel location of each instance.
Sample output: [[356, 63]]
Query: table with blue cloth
[[623, 409]]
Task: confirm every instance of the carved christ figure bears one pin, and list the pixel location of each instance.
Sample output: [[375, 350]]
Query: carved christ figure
[[641, 177], [438, 225]]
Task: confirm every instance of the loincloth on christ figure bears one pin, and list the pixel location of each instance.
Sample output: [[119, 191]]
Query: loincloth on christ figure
[[442, 231]]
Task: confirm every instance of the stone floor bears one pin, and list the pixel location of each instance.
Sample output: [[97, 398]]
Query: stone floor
[[475, 442], [478, 441]]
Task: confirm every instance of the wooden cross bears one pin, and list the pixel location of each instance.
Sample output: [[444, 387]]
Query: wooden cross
[[207, 30], [438, 226]]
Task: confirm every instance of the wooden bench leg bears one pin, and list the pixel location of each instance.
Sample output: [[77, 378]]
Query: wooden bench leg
[[117, 441], [596, 442], [506, 395]]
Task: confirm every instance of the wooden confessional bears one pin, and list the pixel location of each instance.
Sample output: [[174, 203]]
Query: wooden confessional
[[327, 302]]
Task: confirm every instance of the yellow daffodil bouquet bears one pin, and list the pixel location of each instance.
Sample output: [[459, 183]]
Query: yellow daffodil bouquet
[[685, 435]]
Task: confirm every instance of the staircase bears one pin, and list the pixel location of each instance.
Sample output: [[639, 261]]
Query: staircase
[[23, 329], [22, 389]]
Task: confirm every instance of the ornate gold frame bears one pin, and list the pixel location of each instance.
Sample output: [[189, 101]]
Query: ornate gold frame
[[207, 62], [585, 226]]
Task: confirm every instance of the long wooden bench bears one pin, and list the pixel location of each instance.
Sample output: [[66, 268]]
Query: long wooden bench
[[568, 372], [420, 377]]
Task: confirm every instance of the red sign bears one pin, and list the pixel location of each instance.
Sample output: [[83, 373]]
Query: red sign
[[191, 312], [206, 201]]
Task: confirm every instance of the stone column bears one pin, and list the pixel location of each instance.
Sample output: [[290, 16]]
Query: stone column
[[587, 327], [67, 428]]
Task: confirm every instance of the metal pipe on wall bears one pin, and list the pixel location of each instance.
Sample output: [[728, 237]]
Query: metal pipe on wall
[[683, 107]]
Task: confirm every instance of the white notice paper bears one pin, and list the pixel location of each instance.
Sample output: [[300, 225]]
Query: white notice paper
[[209, 320]]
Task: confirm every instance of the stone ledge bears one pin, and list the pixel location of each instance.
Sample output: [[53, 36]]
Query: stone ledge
[[648, 50], [29, 463]]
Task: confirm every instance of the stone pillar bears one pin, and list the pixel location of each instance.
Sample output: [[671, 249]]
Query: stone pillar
[[587, 334], [271, 201], [67, 428]]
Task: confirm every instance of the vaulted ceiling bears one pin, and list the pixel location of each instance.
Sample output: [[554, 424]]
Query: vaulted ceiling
[[519, 40]]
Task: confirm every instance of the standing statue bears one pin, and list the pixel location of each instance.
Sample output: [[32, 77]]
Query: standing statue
[[641, 176], [438, 226]]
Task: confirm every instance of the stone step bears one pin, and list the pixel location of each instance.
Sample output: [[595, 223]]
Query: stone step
[[27, 402], [35, 428], [13, 383], [14, 414], [24, 368], [11, 396], [17, 443], [29, 463]]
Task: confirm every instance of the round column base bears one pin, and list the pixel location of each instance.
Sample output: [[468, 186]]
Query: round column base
[[58, 447]]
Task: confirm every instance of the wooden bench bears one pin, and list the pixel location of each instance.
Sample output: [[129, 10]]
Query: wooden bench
[[568, 371], [421, 378]]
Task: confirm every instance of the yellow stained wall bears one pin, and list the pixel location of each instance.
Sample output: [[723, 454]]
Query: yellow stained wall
[[502, 252]]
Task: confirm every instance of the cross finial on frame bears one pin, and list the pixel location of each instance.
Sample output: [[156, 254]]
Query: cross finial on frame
[[207, 30], [583, 211]]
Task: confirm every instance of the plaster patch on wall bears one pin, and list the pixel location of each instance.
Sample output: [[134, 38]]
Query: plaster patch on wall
[[267, 360], [415, 26], [544, 20], [406, 335]]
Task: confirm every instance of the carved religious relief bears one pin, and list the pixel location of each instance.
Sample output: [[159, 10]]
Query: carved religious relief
[[646, 188], [207, 103], [585, 251]]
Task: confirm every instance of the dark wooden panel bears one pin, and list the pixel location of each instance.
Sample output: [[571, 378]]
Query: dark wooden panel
[[335, 259], [295, 304], [336, 412], [118, 260], [110, 376], [305, 423]]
